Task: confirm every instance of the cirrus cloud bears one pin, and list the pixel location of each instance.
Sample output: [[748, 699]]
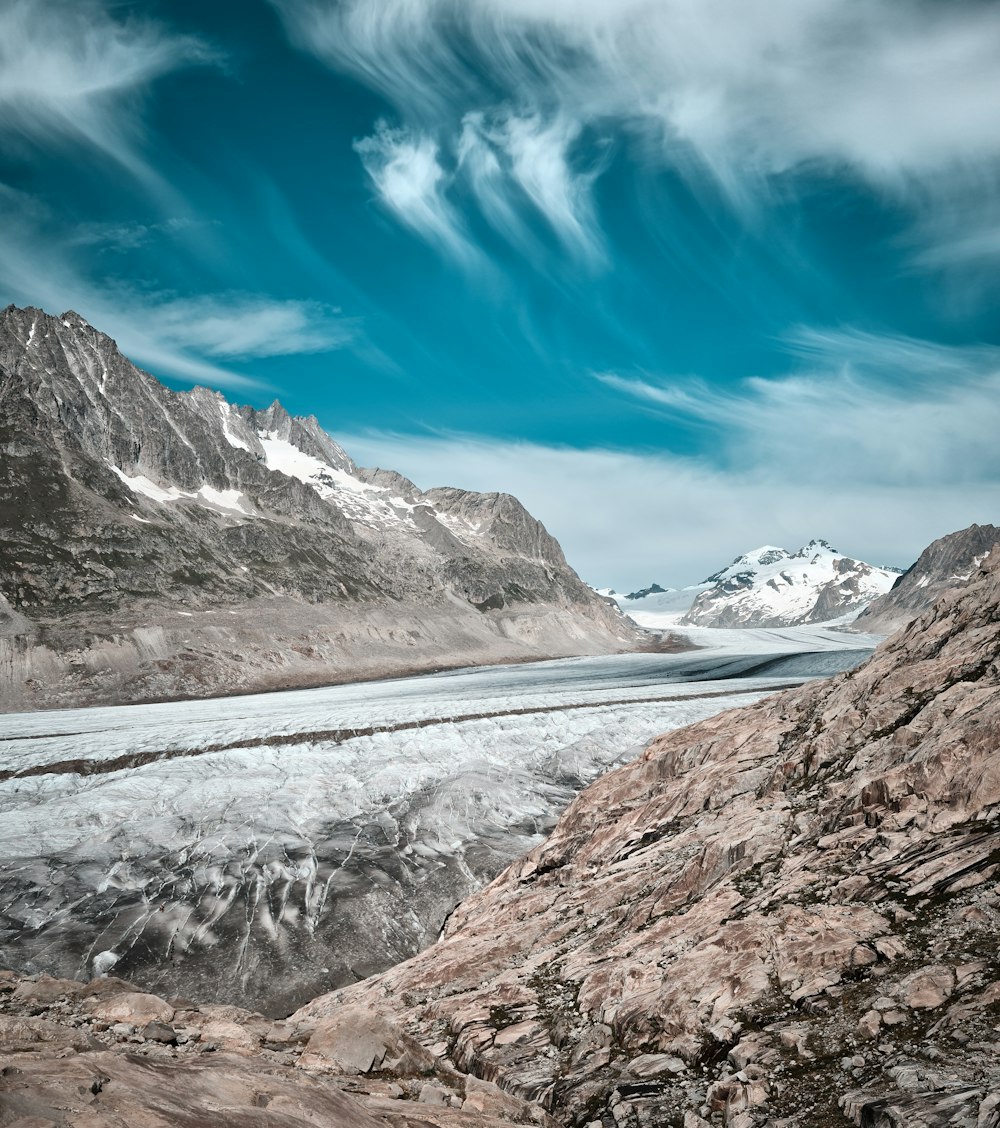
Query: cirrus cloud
[[71, 72], [191, 337], [892, 88], [892, 411]]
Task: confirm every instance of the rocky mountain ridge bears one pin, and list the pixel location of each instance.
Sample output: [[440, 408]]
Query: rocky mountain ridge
[[946, 563], [784, 915], [652, 589], [771, 587], [158, 544]]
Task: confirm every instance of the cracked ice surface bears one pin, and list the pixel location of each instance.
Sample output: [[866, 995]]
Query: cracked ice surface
[[262, 849]]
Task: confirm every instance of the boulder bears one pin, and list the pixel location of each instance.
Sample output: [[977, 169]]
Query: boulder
[[357, 1040], [134, 1007]]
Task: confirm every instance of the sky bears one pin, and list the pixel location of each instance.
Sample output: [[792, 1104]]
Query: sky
[[685, 276]]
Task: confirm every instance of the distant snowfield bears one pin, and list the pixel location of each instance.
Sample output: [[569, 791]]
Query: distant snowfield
[[814, 636], [260, 849], [660, 610]]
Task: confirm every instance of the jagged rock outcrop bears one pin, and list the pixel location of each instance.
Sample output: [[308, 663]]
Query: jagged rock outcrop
[[157, 544], [770, 587], [785, 914], [944, 564]]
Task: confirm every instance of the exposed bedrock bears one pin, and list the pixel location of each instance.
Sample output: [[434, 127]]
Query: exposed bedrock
[[105, 1055]]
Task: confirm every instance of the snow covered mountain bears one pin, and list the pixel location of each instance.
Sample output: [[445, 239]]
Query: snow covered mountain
[[157, 544], [771, 587]]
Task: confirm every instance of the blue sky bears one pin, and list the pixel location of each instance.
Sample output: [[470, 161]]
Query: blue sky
[[687, 276]]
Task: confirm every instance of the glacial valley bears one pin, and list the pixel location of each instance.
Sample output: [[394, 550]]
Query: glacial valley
[[260, 849]]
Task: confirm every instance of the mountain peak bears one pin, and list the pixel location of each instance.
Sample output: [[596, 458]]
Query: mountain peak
[[816, 545], [950, 560], [653, 589], [771, 587]]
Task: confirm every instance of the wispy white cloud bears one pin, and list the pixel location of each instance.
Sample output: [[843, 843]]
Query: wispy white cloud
[[959, 231], [891, 356], [625, 519], [540, 165], [72, 72], [185, 337], [405, 169], [900, 93], [977, 246], [891, 86], [956, 238], [128, 236], [508, 163], [401, 48], [240, 326], [489, 181], [889, 411]]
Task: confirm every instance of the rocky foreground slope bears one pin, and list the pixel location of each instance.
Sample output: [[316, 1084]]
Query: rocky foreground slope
[[157, 544], [785, 915], [944, 564], [105, 1055]]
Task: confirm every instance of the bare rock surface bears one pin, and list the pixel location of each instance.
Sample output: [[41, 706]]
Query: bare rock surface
[[63, 1064], [158, 544], [945, 564], [786, 914]]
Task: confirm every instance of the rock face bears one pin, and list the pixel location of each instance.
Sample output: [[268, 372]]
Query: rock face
[[157, 544], [770, 587], [786, 914], [945, 564]]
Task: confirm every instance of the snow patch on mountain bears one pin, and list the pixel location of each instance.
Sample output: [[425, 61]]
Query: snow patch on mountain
[[224, 499], [231, 500], [286, 458], [226, 411], [140, 484], [360, 501], [463, 528]]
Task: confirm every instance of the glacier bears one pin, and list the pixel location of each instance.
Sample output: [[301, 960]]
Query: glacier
[[263, 848]]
